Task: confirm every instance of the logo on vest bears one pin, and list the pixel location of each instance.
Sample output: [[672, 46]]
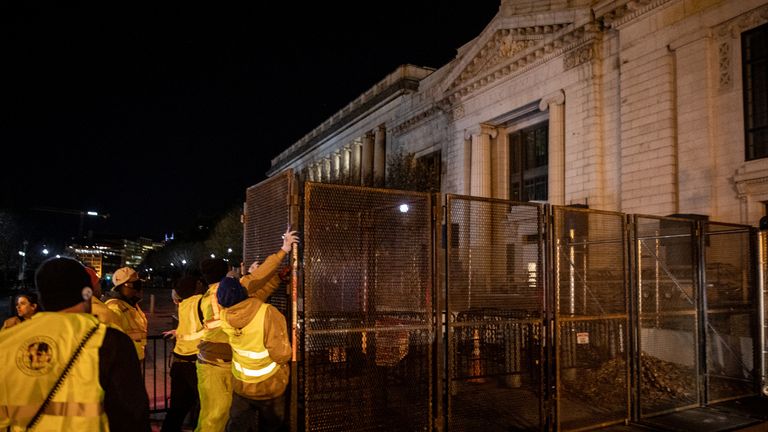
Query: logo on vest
[[36, 356]]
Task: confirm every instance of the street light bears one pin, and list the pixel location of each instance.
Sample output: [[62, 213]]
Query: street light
[[45, 252], [213, 256]]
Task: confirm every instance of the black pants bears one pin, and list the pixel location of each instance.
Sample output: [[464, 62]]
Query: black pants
[[184, 396], [271, 414]]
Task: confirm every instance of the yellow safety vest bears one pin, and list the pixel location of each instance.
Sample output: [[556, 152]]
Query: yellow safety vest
[[250, 359], [190, 330], [212, 316], [33, 357], [133, 322], [103, 313]]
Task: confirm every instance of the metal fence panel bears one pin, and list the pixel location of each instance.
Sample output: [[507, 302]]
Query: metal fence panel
[[591, 317], [495, 300], [267, 214], [731, 312], [368, 309], [667, 296]]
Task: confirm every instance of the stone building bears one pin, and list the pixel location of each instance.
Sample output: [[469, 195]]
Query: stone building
[[640, 106]]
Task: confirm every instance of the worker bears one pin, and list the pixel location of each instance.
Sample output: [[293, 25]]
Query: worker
[[124, 299]]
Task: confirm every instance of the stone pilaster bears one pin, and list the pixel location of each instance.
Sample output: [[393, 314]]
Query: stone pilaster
[[555, 103]]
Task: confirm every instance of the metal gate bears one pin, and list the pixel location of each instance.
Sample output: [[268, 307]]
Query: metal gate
[[495, 307], [591, 300], [731, 312], [368, 309], [268, 212], [667, 321]]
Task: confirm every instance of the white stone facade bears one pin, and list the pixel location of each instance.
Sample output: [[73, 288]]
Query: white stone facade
[[643, 101]]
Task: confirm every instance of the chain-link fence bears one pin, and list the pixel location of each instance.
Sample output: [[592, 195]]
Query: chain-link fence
[[541, 331], [731, 312], [666, 277], [591, 301], [368, 309], [495, 292]]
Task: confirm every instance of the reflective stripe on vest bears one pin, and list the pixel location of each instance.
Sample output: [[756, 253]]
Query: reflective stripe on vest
[[211, 314], [24, 413], [252, 354], [254, 372]]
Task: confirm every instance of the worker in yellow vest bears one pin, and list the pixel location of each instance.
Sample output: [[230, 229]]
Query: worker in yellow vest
[[124, 299], [98, 308], [214, 376], [187, 293], [66, 371], [261, 353]]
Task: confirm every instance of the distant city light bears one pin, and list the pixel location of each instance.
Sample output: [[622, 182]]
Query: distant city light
[[93, 213], [213, 256], [403, 208], [229, 250], [184, 262], [22, 253], [172, 265], [58, 256], [45, 252]]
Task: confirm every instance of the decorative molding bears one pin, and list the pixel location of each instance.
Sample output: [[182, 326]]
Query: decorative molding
[[556, 98], [734, 27], [531, 58], [724, 62], [630, 11], [578, 56], [458, 112], [481, 129], [751, 178], [729, 31], [415, 120], [505, 45]]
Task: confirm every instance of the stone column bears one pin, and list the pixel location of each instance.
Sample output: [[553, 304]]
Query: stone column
[[380, 155], [327, 169], [311, 172], [357, 157], [366, 172], [555, 103], [467, 187], [480, 181], [346, 161], [336, 161]]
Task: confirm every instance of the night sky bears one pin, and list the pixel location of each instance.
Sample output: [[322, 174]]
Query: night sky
[[162, 113]]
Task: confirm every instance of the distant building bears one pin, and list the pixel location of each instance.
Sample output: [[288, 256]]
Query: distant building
[[108, 255], [655, 107]]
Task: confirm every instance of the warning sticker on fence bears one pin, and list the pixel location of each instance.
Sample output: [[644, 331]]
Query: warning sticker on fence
[[582, 338]]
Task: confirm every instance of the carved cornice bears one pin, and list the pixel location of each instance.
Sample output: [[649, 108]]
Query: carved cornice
[[416, 120], [627, 12], [567, 39]]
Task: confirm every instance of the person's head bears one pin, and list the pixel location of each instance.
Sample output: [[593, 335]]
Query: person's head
[[95, 281], [230, 292], [26, 305], [213, 269], [63, 284], [186, 287], [127, 283]]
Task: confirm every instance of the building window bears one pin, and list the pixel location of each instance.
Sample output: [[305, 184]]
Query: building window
[[430, 166], [754, 55], [528, 163]]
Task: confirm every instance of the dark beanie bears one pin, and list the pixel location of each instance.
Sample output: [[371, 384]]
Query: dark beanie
[[186, 286], [213, 269], [230, 292], [60, 282]]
